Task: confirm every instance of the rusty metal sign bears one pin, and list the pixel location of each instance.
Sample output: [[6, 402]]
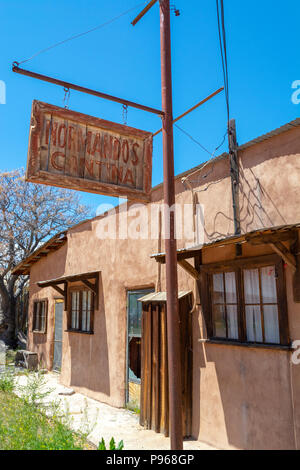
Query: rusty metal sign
[[77, 151]]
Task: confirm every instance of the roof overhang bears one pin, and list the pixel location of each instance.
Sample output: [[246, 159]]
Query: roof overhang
[[51, 245], [61, 284], [161, 296], [274, 237], [258, 237]]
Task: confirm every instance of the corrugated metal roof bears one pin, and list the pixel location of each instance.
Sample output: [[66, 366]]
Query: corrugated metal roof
[[162, 296], [231, 240], [269, 135]]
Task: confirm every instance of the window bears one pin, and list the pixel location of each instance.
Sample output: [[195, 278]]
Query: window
[[225, 317], [261, 307], [81, 310], [247, 302], [40, 308]]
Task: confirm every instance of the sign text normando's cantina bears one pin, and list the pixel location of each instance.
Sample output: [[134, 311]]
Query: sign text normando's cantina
[[77, 151]]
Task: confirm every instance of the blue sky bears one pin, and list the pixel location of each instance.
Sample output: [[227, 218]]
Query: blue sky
[[263, 59]]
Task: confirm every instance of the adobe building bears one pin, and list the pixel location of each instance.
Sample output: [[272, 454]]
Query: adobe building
[[97, 306]]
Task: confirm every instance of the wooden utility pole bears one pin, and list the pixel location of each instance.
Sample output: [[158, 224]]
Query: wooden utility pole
[[235, 175]]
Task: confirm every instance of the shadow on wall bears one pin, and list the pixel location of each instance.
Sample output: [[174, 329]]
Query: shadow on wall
[[257, 209], [89, 361], [41, 343], [241, 397]]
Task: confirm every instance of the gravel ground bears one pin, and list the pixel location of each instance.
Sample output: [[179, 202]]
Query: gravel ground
[[102, 420]]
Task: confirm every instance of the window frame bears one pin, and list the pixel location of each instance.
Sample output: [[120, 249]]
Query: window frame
[[80, 289], [238, 266], [36, 311]]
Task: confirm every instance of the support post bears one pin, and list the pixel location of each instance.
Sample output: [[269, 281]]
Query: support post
[[173, 325], [234, 174]]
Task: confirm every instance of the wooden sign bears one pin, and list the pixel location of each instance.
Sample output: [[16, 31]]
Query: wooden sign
[[76, 151]]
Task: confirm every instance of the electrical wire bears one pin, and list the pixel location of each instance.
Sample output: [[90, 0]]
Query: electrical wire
[[223, 50], [102, 25], [193, 139], [212, 154], [212, 159]]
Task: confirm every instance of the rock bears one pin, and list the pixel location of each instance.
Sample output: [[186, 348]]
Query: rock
[[27, 359], [67, 392], [2, 353]]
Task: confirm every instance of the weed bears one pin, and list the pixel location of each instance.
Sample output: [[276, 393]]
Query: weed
[[112, 445], [7, 380]]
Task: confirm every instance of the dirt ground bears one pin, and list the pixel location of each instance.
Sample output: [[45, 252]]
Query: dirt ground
[[101, 420]]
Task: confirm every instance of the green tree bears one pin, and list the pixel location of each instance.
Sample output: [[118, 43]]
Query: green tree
[[29, 215]]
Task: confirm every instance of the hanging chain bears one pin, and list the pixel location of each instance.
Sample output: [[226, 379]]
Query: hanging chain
[[125, 114], [66, 98]]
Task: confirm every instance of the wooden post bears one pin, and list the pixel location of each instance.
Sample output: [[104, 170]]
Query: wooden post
[[234, 174]]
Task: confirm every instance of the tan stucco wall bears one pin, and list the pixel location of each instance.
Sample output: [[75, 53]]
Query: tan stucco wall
[[241, 396]]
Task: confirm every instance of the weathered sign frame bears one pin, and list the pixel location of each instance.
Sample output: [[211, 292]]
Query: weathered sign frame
[[39, 154]]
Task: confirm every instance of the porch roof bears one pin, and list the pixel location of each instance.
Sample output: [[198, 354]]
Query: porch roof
[[85, 278], [271, 235], [69, 278], [161, 296]]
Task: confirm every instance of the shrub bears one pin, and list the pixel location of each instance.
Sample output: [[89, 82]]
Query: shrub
[[112, 445], [7, 380]]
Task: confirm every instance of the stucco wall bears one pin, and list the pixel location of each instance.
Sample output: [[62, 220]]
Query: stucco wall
[[241, 396]]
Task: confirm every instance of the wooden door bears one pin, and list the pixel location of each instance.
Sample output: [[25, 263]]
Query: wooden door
[[58, 331], [154, 369]]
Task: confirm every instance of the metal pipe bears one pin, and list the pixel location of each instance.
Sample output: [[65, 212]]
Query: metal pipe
[[143, 13], [173, 323], [193, 108], [99, 94]]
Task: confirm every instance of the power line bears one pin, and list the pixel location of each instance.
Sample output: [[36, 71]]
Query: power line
[[223, 50], [212, 154], [102, 25]]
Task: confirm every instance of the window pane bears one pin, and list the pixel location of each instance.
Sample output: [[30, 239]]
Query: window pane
[[218, 293], [35, 315], [219, 321], [75, 311], [230, 288], [253, 321], [134, 315], [268, 284], [251, 286], [232, 321], [84, 307], [42, 321], [271, 324], [89, 307]]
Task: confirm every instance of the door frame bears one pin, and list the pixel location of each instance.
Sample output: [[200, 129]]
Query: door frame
[[56, 300], [136, 290]]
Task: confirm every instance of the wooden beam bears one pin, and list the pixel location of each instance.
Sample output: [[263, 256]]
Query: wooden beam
[[58, 289], [189, 269], [285, 254], [261, 239], [91, 286], [234, 175], [94, 288]]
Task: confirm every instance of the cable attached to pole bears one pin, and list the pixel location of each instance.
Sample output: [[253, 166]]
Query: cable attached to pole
[[102, 25], [223, 50]]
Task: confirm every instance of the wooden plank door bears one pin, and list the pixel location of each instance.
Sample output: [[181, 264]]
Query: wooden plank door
[[154, 368]]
